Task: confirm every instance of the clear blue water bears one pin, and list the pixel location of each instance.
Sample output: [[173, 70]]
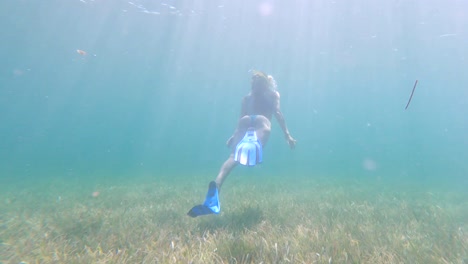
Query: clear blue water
[[159, 89]]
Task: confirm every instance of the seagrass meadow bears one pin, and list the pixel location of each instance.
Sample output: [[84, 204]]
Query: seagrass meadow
[[320, 220]]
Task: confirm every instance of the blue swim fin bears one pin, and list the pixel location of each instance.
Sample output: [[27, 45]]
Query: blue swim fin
[[211, 204], [249, 150]]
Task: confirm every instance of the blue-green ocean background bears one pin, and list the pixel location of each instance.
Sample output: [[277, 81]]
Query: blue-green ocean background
[[159, 90]]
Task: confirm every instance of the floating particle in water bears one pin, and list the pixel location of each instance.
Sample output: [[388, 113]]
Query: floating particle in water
[[81, 52], [369, 164], [18, 72], [411, 96]]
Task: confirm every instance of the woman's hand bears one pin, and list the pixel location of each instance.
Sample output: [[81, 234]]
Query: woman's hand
[[291, 141]]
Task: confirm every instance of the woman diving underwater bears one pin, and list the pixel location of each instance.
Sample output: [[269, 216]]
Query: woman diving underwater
[[249, 138]]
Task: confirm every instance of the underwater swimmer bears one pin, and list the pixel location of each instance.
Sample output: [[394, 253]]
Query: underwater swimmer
[[252, 133]]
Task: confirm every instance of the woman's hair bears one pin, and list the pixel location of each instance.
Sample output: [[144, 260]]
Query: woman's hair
[[262, 77]]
